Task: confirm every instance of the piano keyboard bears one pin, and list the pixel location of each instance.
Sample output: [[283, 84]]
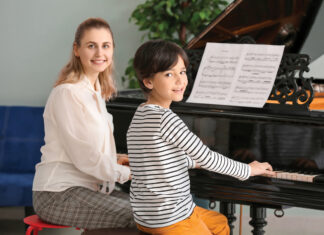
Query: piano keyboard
[[294, 176]]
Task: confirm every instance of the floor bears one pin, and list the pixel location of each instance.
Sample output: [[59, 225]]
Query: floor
[[296, 221]]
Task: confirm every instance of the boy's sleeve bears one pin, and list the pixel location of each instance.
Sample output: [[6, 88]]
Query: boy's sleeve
[[174, 131], [191, 163]]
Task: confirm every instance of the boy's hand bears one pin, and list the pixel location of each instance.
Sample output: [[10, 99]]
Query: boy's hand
[[122, 159], [261, 168]]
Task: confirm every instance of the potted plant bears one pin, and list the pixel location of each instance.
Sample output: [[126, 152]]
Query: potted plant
[[174, 20]]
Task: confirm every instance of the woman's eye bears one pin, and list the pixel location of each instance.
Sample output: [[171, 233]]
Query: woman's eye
[[183, 72], [168, 74], [91, 46], [106, 46]]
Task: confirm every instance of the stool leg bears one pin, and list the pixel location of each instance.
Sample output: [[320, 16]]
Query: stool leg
[[32, 230], [29, 210], [29, 230]]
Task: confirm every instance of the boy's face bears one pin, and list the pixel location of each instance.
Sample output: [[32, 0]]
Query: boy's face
[[167, 86]]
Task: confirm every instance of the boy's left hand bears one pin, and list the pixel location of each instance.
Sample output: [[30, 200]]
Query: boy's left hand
[[261, 168]]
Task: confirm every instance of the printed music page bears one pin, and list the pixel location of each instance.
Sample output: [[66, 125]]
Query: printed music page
[[236, 74]]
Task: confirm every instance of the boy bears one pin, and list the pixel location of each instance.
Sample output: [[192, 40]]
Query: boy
[[161, 150]]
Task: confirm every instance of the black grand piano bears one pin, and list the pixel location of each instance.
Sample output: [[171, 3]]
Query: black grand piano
[[287, 132]]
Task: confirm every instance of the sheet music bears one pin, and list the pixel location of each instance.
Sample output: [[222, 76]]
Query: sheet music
[[236, 74]]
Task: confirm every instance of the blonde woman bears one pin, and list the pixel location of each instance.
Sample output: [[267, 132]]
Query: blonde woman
[[74, 182]]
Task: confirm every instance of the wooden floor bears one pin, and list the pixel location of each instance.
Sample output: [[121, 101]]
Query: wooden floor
[[296, 221]]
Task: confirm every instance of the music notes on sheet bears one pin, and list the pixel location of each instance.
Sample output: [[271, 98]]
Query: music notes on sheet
[[218, 71], [236, 74]]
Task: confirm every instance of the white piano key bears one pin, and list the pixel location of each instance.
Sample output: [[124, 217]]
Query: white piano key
[[294, 176]]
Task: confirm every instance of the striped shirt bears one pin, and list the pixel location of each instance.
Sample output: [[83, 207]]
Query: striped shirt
[[161, 150]]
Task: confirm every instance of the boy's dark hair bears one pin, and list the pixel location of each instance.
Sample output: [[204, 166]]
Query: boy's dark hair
[[156, 56]]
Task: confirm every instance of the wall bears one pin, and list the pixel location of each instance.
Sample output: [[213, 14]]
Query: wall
[[36, 41], [314, 43], [314, 46]]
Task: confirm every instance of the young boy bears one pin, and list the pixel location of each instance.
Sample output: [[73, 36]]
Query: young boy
[[161, 150]]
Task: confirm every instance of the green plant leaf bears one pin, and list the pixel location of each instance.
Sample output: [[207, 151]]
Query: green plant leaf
[[202, 15], [163, 19]]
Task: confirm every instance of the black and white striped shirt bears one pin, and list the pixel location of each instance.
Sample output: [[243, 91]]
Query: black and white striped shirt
[[161, 150]]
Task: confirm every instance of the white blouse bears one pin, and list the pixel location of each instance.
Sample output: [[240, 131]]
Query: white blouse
[[79, 145]]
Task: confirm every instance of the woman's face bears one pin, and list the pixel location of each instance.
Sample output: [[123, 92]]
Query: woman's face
[[95, 51]]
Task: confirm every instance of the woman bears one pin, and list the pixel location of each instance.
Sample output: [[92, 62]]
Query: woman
[[74, 182]]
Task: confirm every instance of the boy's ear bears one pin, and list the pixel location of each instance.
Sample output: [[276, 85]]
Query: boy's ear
[[148, 83]]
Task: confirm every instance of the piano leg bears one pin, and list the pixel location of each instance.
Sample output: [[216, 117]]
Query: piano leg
[[228, 209], [258, 215]]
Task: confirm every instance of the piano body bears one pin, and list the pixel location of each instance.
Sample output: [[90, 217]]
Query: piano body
[[286, 132]]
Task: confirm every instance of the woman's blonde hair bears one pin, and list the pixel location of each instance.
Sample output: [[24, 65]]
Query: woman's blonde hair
[[72, 71]]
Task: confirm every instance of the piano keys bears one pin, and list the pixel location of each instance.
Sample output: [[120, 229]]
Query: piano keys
[[297, 176]]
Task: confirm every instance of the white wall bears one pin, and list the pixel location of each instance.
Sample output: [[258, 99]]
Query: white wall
[[314, 44], [36, 41]]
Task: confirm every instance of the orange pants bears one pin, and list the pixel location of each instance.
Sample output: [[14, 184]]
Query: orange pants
[[200, 222]]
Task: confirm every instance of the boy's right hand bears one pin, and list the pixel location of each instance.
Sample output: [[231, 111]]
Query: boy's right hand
[[261, 168]]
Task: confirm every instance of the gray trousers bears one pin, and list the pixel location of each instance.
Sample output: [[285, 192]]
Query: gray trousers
[[83, 208]]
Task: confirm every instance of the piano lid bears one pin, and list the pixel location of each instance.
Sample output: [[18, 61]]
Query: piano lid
[[275, 22]]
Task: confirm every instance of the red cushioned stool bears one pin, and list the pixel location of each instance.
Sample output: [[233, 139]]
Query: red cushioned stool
[[36, 224]]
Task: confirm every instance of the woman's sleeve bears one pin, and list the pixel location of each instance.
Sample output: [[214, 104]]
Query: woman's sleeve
[[174, 131], [79, 137]]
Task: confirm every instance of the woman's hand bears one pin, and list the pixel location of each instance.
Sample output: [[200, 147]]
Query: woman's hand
[[122, 159], [261, 168]]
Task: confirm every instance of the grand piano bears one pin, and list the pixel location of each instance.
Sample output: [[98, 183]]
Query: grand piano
[[288, 132]]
